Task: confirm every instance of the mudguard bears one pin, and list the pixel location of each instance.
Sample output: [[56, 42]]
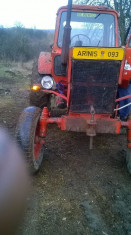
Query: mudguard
[[44, 63]]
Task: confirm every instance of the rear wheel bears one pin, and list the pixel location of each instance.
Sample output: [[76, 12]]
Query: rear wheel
[[27, 135]]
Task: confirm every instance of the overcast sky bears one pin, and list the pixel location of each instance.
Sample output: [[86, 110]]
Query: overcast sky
[[31, 13]]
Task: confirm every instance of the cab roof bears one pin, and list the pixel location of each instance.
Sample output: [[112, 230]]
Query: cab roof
[[90, 8]]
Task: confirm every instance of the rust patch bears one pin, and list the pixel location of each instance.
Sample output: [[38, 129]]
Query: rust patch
[[76, 124]]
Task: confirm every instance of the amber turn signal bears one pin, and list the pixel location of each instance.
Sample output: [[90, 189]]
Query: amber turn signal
[[35, 88]]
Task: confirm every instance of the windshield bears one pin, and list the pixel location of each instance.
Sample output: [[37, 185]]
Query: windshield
[[89, 29]]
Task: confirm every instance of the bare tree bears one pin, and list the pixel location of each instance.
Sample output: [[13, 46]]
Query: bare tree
[[122, 6]]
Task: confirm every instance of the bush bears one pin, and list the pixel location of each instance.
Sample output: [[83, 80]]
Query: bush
[[20, 44]]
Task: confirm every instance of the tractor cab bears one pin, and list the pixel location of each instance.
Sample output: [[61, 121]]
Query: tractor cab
[[87, 43], [88, 29]]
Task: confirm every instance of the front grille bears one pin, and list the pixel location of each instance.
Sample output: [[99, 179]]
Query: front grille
[[94, 83]]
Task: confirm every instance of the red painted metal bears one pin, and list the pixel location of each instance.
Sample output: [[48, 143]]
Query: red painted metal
[[126, 74], [56, 93], [43, 122], [88, 8], [37, 148], [69, 76], [128, 55], [79, 122], [57, 51], [123, 98], [38, 143], [120, 80], [44, 63], [46, 59]]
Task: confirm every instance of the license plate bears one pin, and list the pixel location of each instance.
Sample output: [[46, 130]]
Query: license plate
[[98, 53]]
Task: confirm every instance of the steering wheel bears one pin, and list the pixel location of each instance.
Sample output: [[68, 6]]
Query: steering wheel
[[78, 35]]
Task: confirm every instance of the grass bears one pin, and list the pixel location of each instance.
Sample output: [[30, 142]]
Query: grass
[[14, 89], [15, 73], [14, 78], [6, 102]]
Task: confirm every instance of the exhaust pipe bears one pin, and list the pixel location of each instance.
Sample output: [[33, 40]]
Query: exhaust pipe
[[66, 36]]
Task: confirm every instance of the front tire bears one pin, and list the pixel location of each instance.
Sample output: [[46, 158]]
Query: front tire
[[27, 135]]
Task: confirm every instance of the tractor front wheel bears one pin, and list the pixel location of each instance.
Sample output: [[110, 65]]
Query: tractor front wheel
[[27, 135]]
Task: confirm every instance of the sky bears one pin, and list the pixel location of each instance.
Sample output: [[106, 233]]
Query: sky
[[40, 14]]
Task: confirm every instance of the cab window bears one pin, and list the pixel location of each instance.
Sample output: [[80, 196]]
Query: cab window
[[89, 29]]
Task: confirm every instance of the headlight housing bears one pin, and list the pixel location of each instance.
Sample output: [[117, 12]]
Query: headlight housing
[[47, 82]]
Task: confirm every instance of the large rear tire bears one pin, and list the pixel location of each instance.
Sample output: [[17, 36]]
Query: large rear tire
[[27, 135]]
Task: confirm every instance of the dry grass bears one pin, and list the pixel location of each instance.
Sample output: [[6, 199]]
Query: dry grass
[[15, 73]]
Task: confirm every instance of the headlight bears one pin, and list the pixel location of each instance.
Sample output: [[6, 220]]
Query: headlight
[[47, 82], [127, 66]]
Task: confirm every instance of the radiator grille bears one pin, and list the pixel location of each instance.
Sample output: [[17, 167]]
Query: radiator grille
[[94, 83]]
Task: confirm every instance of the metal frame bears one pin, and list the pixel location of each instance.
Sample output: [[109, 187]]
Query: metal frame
[[91, 124]]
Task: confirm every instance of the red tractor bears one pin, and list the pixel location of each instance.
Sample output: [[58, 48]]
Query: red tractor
[[77, 84]]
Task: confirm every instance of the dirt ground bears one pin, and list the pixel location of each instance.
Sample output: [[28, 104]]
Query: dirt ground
[[77, 191]]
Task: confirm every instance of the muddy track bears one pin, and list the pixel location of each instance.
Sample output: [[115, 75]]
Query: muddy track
[[79, 191]]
